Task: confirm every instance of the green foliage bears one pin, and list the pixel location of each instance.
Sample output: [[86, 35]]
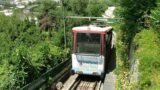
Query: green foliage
[[76, 6], [134, 14], [148, 53], [95, 8], [86, 7], [155, 17], [135, 10], [26, 52], [47, 13]]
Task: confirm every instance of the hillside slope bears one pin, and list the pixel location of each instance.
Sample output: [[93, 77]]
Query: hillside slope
[[148, 54]]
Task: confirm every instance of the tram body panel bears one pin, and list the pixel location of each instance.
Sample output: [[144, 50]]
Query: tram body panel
[[90, 65]]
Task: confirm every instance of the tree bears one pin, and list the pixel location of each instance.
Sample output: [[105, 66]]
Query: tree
[[155, 17], [95, 8], [134, 10], [133, 13], [25, 52], [47, 13], [76, 6]]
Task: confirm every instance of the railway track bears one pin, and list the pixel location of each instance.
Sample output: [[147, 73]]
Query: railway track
[[86, 83]]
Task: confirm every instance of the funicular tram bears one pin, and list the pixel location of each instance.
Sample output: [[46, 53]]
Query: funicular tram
[[91, 47]]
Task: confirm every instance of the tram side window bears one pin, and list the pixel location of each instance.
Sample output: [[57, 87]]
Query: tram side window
[[88, 43]]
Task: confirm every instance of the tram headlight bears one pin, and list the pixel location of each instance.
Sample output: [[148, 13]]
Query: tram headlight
[[74, 61], [101, 64]]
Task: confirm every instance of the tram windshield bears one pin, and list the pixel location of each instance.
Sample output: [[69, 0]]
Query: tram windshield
[[89, 43]]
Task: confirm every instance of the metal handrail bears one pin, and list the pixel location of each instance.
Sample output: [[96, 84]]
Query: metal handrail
[[53, 72]]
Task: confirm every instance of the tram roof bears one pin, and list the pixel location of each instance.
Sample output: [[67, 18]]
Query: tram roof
[[91, 29]]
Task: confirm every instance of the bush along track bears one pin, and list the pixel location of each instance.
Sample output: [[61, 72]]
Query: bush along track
[[148, 54], [26, 52]]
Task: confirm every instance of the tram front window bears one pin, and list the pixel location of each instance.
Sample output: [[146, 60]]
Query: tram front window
[[89, 43]]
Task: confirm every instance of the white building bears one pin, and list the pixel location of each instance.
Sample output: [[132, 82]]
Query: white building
[[8, 12], [17, 2]]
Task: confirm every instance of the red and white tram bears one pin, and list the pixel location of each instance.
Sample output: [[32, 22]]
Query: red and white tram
[[91, 47]]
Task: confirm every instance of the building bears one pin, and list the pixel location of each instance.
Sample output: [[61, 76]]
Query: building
[[25, 2], [8, 12]]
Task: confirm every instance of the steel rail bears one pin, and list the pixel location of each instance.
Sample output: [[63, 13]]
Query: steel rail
[[83, 83], [75, 84]]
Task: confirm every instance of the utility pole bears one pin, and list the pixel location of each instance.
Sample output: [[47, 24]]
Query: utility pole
[[82, 17], [64, 28]]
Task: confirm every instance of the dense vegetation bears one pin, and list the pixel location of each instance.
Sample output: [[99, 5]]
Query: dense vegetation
[[28, 50], [148, 54], [140, 26]]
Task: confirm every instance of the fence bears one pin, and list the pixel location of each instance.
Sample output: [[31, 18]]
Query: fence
[[55, 73]]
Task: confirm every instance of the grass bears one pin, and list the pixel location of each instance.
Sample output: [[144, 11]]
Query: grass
[[148, 53], [121, 58]]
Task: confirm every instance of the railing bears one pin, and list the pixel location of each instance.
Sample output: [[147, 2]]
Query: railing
[[55, 73]]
